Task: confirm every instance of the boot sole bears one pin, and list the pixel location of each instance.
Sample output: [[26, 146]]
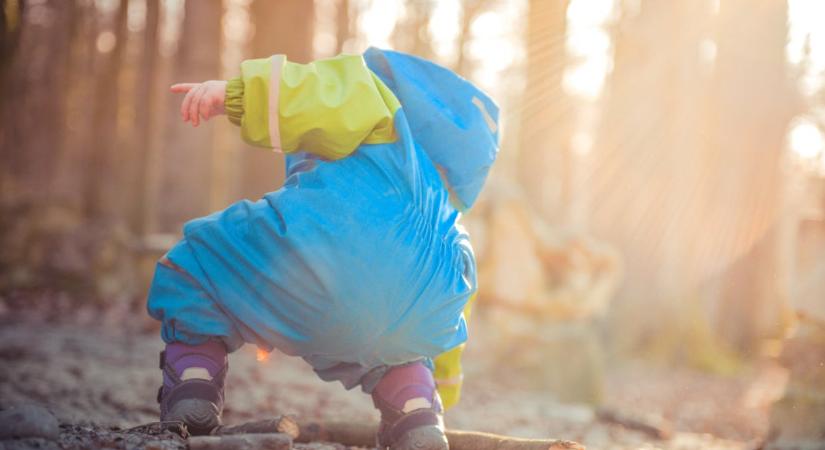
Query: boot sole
[[423, 438], [200, 416]]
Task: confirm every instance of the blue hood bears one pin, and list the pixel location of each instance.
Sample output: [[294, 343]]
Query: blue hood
[[453, 121]]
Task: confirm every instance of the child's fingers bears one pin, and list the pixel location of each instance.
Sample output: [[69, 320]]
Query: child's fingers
[[203, 107], [184, 105], [194, 105], [206, 106], [182, 88]]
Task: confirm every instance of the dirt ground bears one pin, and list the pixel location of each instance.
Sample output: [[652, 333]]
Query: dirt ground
[[96, 376]]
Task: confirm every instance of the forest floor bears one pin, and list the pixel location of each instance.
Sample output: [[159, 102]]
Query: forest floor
[[99, 377]]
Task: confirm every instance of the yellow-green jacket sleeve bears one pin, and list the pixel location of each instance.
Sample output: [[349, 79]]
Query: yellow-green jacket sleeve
[[328, 107], [448, 375]]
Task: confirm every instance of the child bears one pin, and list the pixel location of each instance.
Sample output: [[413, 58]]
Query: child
[[358, 263]]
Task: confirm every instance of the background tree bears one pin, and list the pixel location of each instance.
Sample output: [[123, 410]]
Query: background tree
[[544, 139], [280, 27], [754, 301]]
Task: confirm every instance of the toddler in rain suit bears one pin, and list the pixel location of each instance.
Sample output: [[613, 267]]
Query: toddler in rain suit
[[357, 264]]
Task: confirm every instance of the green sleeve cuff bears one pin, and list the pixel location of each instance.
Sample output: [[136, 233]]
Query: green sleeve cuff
[[233, 103]]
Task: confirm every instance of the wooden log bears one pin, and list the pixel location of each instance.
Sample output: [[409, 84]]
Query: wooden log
[[278, 424], [655, 427], [362, 434], [356, 434], [353, 434], [474, 440], [252, 441]]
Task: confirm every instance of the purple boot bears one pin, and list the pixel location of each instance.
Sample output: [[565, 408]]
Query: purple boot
[[411, 414], [192, 390]]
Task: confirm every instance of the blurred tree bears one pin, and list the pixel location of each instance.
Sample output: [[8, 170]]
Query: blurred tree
[[101, 193], [79, 95], [33, 71], [283, 27], [470, 10], [544, 139], [412, 33], [146, 105], [343, 25], [9, 29], [187, 152], [647, 163], [751, 111]]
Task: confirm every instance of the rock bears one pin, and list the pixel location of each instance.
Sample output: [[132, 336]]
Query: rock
[[263, 441], [320, 446], [28, 444], [28, 421]]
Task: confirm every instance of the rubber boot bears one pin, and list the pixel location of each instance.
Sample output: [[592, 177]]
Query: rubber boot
[[193, 385], [411, 413]]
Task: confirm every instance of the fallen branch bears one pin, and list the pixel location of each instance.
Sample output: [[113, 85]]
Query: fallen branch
[[474, 440], [655, 427], [278, 424], [362, 434], [275, 432]]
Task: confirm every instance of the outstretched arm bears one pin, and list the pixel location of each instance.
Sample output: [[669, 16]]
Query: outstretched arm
[[328, 107]]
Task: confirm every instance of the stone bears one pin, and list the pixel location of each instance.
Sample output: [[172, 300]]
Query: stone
[[28, 421], [262, 441], [28, 444]]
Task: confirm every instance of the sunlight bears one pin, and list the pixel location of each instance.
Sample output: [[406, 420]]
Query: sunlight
[[806, 42], [495, 45], [444, 29], [589, 44], [378, 20], [806, 140], [261, 355], [170, 26]]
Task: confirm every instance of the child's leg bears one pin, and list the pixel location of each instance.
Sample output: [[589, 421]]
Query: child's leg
[[411, 414], [406, 388], [193, 382], [197, 336]]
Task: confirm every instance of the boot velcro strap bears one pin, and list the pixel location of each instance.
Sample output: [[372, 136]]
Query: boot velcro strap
[[410, 421]]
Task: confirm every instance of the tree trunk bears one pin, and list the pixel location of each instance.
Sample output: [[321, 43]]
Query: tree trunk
[[411, 33], [283, 27], [544, 140], [187, 152], [648, 165], [100, 191], [34, 71], [749, 144], [145, 107], [343, 25], [79, 101]]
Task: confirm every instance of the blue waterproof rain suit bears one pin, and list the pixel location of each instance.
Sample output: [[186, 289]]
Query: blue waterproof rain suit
[[358, 262]]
